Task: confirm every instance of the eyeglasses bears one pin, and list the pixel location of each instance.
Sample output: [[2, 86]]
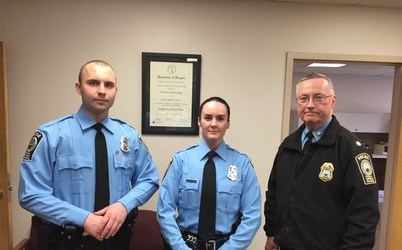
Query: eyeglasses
[[316, 98]]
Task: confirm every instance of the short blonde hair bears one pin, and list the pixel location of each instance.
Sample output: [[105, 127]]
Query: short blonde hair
[[100, 62]]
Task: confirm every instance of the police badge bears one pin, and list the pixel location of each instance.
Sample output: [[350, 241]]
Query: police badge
[[232, 173], [124, 144], [326, 173]]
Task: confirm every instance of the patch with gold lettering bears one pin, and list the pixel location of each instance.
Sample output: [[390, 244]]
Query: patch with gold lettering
[[327, 172], [366, 168], [33, 144]]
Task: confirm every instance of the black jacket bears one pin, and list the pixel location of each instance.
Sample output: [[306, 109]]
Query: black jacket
[[326, 199]]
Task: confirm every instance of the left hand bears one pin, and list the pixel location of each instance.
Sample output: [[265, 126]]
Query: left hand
[[114, 216]]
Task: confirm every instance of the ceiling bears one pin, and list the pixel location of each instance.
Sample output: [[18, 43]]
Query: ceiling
[[360, 87], [395, 4], [356, 69]]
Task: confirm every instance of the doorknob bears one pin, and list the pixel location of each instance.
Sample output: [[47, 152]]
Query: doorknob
[[1, 194]]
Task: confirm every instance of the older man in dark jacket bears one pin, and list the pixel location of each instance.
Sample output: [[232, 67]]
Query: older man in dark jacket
[[322, 191]]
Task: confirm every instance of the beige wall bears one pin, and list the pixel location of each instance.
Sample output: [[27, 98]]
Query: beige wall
[[243, 45]]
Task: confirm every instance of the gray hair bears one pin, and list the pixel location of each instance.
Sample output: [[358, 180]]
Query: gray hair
[[315, 75]]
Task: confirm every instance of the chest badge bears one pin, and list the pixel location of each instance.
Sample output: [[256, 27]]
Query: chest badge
[[124, 144], [232, 173], [326, 173]]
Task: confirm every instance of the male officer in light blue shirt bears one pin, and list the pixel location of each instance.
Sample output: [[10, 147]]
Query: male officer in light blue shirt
[[238, 199], [57, 177]]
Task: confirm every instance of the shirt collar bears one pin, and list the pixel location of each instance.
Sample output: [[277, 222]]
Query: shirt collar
[[221, 150], [317, 134], [86, 122]]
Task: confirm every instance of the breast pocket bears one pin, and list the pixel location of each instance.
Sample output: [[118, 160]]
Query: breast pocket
[[75, 173], [123, 167], [189, 194], [228, 200]]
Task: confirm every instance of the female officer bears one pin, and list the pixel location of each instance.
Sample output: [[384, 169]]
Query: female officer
[[236, 201]]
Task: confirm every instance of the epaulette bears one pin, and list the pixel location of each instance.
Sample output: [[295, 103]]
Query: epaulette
[[231, 148], [55, 121], [121, 122], [185, 149], [189, 147], [235, 150], [353, 140], [117, 120]]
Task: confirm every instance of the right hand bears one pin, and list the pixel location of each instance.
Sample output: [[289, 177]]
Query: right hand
[[270, 244], [94, 225]]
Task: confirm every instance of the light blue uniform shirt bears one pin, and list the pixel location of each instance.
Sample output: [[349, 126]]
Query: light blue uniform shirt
[[317, 134], [238, 193], [57, 174]]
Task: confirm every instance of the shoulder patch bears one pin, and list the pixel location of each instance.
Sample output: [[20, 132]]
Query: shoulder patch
[[366, 169], [33, 144]]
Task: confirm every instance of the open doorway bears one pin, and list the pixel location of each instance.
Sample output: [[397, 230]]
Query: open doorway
[[366, 72], [364, 93]]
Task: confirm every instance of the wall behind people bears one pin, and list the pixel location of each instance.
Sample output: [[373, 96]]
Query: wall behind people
[[243, 46]]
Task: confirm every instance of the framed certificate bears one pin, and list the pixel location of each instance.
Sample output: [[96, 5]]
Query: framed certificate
[[170, 93]]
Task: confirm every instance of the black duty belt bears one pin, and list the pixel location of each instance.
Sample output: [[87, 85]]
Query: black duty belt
[[73, 237], [196, 243]]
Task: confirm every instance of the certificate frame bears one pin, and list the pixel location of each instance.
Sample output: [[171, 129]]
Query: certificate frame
[[170, 93]]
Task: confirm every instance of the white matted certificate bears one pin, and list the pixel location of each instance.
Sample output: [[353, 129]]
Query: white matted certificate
[[171, 88], [170, 93]]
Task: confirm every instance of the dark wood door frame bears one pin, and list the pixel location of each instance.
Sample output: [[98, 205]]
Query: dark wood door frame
[[5, 216]]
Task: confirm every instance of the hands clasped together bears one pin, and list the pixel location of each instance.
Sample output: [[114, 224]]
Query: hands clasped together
[[106, 222]]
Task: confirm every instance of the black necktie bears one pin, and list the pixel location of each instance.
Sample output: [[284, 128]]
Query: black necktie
[[102, 172], [309, 136], [206, 220]]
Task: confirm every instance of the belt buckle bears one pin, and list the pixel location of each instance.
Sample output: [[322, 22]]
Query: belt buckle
[[210, 245]]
